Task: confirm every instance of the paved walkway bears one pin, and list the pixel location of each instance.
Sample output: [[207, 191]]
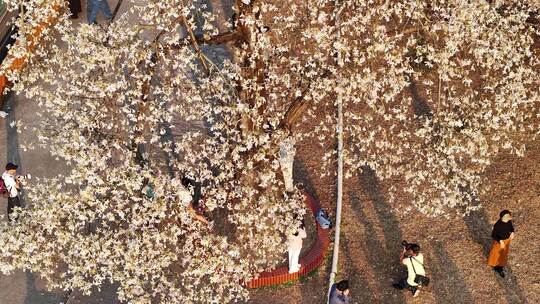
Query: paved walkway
[[21, 287]]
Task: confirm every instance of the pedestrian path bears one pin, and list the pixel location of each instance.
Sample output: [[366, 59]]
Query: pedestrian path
[[23, 287]]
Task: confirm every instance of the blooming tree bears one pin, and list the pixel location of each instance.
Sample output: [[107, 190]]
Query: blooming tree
[[434, 90], [431, 92]]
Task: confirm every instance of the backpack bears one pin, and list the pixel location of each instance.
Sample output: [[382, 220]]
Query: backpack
[[323, 219], [3, 189]]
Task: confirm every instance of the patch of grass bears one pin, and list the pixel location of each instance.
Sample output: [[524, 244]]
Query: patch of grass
[[302, 279], [309, 275]]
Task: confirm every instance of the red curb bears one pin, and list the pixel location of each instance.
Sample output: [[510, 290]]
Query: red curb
[[19, 62], [310, 261]]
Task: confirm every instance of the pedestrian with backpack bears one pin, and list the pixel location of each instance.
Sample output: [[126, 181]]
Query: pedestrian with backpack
[[11, 186]]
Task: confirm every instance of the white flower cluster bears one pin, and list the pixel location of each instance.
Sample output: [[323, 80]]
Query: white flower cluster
[[432, 91]]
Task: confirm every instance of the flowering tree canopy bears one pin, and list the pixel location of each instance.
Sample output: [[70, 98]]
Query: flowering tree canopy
[[431, 92]]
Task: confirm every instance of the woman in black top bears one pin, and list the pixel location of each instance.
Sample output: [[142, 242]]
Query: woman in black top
[[502, 235]]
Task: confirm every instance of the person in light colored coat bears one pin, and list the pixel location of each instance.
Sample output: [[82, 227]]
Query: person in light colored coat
[[295, 246]]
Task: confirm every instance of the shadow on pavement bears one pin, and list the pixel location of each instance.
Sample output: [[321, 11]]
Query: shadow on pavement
[[420, 106], [37, 296], [383, 262], [381, 255], [359, 284], [449, 284], [301, 176]]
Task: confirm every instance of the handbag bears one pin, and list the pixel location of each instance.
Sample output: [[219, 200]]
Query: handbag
[[418, 278], [4, 192], [323, 219]]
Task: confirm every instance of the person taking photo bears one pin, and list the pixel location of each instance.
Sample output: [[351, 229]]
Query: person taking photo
[[13, 185], [414, 260]]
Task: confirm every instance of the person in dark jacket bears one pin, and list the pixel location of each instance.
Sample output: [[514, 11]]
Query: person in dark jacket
[[75, 8], [339, 293], [502, 235]]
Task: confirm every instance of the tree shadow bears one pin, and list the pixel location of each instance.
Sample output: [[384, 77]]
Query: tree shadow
[[301, 176], [380, 254], [449, 279], [419, 104], [218, 53], [389, 223], [227, 6], [377, 254], [358, 283], [37, 296], [477, 223], [107, 293]]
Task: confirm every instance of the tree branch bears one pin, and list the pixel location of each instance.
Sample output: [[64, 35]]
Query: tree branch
[[220, 38], [194, 42]]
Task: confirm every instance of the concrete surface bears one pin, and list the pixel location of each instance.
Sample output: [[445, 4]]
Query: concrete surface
[[27, 288]]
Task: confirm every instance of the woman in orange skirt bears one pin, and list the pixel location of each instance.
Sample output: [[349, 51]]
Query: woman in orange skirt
[[502, 235]]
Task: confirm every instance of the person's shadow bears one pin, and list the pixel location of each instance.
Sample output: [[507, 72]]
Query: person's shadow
[[12, 138], [447, 278]]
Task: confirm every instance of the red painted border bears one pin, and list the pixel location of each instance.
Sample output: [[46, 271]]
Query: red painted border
[[310, 261], [20, 62]]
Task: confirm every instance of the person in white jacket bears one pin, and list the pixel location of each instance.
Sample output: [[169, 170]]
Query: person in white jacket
[[295, 246], [13, 185]]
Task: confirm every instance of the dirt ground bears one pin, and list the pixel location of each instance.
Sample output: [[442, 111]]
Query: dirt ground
[[455, 249]]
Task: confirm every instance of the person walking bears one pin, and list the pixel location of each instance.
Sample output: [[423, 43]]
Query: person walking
[[75, 8], [339, 293], [414, 260], [295, 246], [13, 185], [98, 5], [502, 235]]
